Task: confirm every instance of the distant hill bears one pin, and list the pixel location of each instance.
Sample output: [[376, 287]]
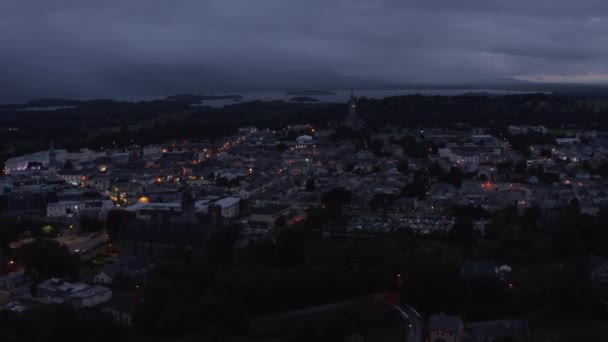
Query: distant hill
[[191, 98], [157, 81], [145, 81], [309, 92], [303, 99], [154, 79], [41, 103]]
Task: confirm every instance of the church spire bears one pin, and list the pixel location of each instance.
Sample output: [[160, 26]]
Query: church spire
[[52, 156]]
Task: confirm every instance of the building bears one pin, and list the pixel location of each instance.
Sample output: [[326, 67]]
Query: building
[[353, 121], [152, 230], [132, 268], [161, 212], [599, 270], [121, 308], [442, 328], [502, 330], [269, 213], [229, 206], [567, 141], [599, 277], [467, 159], [27, 161], [76, 208], [11, 282], [525, 130], [72, 177], [78, 295], [483, 268]]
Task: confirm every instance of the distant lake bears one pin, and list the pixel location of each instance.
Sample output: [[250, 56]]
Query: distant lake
[[342, 96], [39, 109]]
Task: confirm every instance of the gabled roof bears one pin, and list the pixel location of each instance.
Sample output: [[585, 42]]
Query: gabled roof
[[479, 268], [596, 261], [128, 264], [451, 324]]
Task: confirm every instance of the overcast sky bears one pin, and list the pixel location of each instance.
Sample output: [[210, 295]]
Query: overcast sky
[[80, 42]]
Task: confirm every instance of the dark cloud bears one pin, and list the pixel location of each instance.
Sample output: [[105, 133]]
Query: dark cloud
[[88, 47]]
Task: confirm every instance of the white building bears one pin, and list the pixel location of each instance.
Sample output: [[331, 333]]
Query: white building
[[73, 178], [567, 141], [20, 163], [524, 130], [74, 208], [101, 183], [467, 160], [152, 151], [229, 206], [78, 295]]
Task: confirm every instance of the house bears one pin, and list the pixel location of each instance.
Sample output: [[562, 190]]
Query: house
[[525, 130], [567, 141], [101, 183], [442, 328], [304, 140], [76, 294], [466, 158], [483, 268], [599, 269], [599, 276], [73, 177], [11, 282], [502, 330], [269, 213], [121, 308], [132, 267], [74, 208], [229, 206], [148, 237]]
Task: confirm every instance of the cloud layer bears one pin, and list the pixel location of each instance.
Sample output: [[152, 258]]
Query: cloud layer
[[71, 44]]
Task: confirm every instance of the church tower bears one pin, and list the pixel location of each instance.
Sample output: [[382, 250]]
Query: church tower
[[352, 120], [52, 158], [187, 203]]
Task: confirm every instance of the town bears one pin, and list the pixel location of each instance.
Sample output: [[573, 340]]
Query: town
[[471, 232]]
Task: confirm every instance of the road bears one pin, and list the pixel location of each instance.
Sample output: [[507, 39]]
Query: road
[[416, 331]]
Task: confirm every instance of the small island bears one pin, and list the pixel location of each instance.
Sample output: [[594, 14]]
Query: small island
[[309, 92], [303, 99]]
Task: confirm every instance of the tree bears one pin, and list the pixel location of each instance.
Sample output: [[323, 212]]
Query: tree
[[505, 166], [417, 188], [91, 224], [349, 167], [46, 258], [68, 165], [463, 230], [280, 222], [435, 170], [60, 322], [376, 146], [311, 185], [403, 165], [333, 202], [381, 201], [116, 220], [521, 166], [281, 147]]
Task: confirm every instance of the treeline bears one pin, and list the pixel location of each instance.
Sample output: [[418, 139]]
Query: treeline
[[552, 110], [98, 123]]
